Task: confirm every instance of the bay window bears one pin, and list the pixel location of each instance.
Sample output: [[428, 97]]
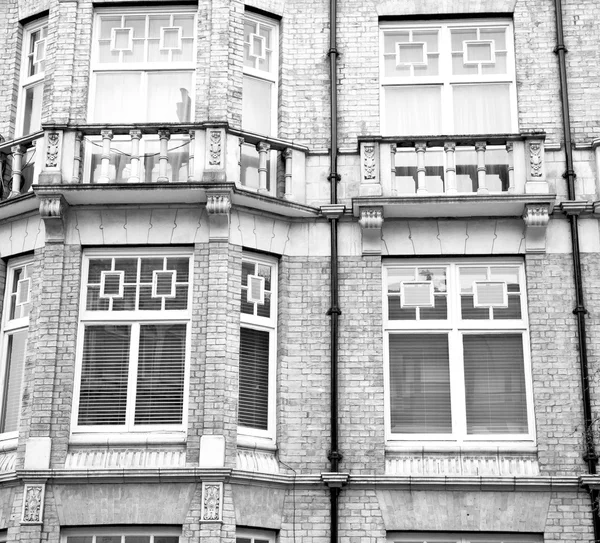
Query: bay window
[[13, 342], [457, 351], [453, 77], [258, 318], [33, 64], [133, 342], [143, 66]]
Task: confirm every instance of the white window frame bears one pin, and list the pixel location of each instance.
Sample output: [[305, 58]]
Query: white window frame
[[26, 81], [267, 324], [135, 318], [253, 534], [463, 537], [95, 532], [456, 328], [97, 67], [445, 79], [9, 327]]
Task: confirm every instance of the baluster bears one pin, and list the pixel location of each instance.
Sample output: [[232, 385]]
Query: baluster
[[420, 149], [449, 149], [107, 136], [393, 149], [511, 166], [263, 154], [163, 160], [191, 156], [134, 168], [480, 147], [17, 170], [287, 155], [77, 157]]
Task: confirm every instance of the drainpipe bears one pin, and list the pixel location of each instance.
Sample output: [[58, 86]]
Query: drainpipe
[[334, 311], [590, 455]]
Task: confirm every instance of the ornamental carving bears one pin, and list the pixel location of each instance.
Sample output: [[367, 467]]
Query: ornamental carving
[[52, 150], [51, 207], [218, 204], [371, 218], [369, 161], [214, 148], [211, 501], [536, 215], [535, 159], [32, 504]]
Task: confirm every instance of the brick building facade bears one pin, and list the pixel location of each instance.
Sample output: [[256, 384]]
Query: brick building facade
[[201, 341]]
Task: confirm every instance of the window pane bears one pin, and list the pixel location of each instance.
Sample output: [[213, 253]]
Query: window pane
[[253, 409], [495, 384], [103, 395], [32, 117], [13, 376], [256, 105], [412, 110], [161, 369], [481, 109], [117, 98], [419, 384], [169, 97]]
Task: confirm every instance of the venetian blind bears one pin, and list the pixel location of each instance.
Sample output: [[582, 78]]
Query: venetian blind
[[496, 400], [419, 384], [253, 407], [13, 379]]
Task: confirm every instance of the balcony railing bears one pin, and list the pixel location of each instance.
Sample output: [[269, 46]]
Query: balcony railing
[[452, 165], [143, 154], [19, 165]]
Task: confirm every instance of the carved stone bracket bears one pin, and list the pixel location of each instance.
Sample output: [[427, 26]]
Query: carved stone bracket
[[370, 184], [535, 158], [536, 217], [53, 211], [51, 173], [218, 207], [371, 222], [212, 502], [33, 504]]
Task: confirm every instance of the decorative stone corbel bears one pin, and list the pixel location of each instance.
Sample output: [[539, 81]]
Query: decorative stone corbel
[[370, 184], [218, 206], [215, 155], [536, 175], [53, 211], [536, 217], [33, 503], [212, 502], [371, 222], [335, 480]]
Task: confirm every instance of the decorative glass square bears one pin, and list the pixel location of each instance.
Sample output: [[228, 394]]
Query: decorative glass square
[[170, 38], [478, 52], [411, 53], [163, 284], [111, 284], [257, 46], [121, 39]]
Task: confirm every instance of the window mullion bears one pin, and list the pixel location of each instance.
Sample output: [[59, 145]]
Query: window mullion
[[457, 385], [134, 349]]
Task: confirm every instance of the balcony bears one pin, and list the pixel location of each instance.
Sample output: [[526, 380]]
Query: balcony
[[446, 176], [148, 164]]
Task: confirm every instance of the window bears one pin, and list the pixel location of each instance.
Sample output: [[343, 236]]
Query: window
[[136, 534], [259, 97], [134, 342], [448, 78], [258, 319], [254, 536], [13, 341], [462, 537], [33, 63], [457, 349], [143, 66]]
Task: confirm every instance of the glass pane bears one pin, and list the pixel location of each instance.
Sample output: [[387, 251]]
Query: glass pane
[[117, 97], [186, 22], [137, 539], [479, 52], [469, 311], [32, 116], [248, 268], [509, 275], [469, 275], [430, 37], [497, 35], [411, 53], [391, 38], [396, 276], [419, 384], [13, 377], [106, 26], [136, 54], [181, 267], [105, 52], [156, 23], [129, 266], [495, 384], [432, 67], [513, 311], [122, 38], [155, 53], [438, 311], [138, 24], [482, 109], [256, 105], [460, 35], [169, 96], [392, 69], [412, 110], [80, 539], [171, 38], [499, 67], [264, 310], [253, 407], [460, 68]]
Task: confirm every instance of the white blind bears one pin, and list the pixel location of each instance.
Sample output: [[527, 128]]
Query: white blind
[[161, 370], [103, 395], [495, 384], [419, 383], [13, 379], [253, 407]]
